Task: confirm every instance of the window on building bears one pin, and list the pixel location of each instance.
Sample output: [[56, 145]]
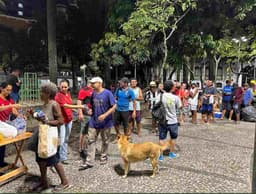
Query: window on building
[[20, 13], [20, 5]]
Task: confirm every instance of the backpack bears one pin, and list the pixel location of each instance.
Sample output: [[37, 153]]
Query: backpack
[[159, 112]]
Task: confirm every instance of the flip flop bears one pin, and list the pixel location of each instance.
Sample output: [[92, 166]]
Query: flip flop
[[62, 187]]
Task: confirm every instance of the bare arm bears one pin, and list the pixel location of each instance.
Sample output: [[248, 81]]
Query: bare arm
[[71, 106], [140, 97]]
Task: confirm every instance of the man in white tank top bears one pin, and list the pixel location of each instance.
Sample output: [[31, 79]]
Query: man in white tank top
[[138, 97]]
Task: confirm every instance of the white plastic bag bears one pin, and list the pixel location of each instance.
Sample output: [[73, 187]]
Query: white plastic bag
[[8, 130], [47, 141]]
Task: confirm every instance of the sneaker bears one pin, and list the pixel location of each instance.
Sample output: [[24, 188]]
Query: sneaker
[[172, 155], [161, 158]]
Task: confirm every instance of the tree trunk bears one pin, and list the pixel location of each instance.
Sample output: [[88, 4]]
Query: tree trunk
[[160, 74], [52, 50]]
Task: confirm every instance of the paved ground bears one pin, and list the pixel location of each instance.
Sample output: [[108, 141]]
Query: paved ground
[[212, 159]]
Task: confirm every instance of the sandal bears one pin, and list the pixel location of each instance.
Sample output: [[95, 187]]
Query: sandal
[[62, 187], [103, 160], [85, 166]]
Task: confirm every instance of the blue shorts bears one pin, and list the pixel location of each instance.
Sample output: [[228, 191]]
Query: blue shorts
[[207, 108], [163, 130]]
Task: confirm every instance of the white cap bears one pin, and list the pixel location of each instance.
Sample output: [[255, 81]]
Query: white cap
[[152, 83], [96, 79]]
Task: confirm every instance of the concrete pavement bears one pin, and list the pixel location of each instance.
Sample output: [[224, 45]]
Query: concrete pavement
[[212, 159]]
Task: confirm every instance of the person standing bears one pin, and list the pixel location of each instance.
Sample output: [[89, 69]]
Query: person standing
[[171, 102], [123, 96], [13, 79], [150, 99], [193, 102], [84, 98], [227, 99], [248, 96], [53, 117], [101, 122], [207, 101], [139, 97], [238, 100], [64, 99]]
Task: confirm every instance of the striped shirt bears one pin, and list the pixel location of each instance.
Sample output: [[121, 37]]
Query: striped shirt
[[150, 97]]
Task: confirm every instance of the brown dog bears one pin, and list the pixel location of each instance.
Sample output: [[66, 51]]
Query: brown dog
[[133, 152]]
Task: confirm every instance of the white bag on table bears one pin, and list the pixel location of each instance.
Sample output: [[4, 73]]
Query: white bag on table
[[47, 141], [8, 130]]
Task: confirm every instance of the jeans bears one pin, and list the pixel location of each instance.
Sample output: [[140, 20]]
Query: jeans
[[64, 133]]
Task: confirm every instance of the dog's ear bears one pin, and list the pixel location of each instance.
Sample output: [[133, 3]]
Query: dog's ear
[[128, 137]]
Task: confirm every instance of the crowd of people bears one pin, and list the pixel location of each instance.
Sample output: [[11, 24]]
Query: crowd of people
[[100, 110]]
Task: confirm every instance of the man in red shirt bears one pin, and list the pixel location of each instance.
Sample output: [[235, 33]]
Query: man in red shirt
[[63, 98], [238, 100], [84, 98]]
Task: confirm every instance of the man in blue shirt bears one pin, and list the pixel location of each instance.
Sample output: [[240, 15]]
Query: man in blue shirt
[[227, 100], [123, 96], [248, 96]]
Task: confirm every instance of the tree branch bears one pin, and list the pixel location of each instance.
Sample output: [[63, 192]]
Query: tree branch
[[177, 21]]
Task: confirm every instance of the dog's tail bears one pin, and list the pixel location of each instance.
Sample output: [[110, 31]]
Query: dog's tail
[[166, 145]]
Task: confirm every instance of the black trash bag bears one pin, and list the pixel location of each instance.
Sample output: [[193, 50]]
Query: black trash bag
[[249, 114]]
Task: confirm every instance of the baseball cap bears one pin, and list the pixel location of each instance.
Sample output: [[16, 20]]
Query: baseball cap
[[96, 79], [152, 83], [124, 80]]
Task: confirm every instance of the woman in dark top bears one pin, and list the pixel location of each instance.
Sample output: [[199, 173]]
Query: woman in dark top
[[53, 117]]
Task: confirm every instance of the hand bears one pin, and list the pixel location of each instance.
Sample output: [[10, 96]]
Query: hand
[[17, 106], [101, 117], [89, 112]]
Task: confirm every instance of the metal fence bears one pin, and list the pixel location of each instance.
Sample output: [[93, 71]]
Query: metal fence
[[30, 88]]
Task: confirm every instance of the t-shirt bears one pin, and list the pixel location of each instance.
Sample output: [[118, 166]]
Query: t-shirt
[[171, 103], [85, 95], [62, 99], [247, 97], [124, 96], [4, 114], [209, 90], [13, 80], [227, 93], [150, 97], [101, 103], [238, 95]]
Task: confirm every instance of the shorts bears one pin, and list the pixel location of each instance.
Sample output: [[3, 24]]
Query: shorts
[[121, 117], [51, 161], [186, 110], [193, 107], [226, 106], [85, 125], [237, 107], [163, 130], [207, 108], [137, 118]]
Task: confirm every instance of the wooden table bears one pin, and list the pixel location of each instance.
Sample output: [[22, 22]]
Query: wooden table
[[13, 170]]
